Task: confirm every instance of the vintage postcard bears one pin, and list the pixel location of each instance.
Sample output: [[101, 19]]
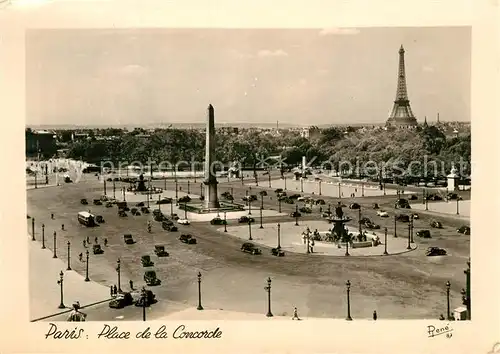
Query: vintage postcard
[[292, 177]]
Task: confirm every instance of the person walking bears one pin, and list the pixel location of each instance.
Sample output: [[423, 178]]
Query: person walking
[[75, 315], [131, 283], [88, 240], [62, 227], [80, 257], [374, 315], [84, 244], [295, 314], [96, 240], [111, 290], [105, 242], [52, 216], [115, 289]]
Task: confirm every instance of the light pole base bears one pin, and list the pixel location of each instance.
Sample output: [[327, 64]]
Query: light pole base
[[347, 254], [61, 306], [43, 247], [199, 308], [54, 256], [87, 279], [386, 253], [269, 314], [69, 268], [348, 318], [261, 227]]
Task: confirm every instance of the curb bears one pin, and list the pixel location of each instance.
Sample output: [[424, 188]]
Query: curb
[[69, 310]]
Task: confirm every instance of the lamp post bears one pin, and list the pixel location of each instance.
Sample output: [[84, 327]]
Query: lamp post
[[269, 175], [250, 230], [43, 236], [409, 236], [225, 222], [199, 292], [301, 184], [319, 184], [466, 292], [144, 296], [185, 211], [411, 229], [118, 270], [60, 282], [348, 289], [33, 229], [279, 205], [268, 289], [362, 189], [55, 245], [359, 217], [87, 266], [249, 206], [307, 240], [36, 184], [385, 242], [423, 196], [176, 189], [123, 190], [457, 205], [340, 195], [104, 181], [329, 209], [448, 300], [296, 215], [261, 227], [395, 226], [69, 255], [284, 178], [114, 189], [347, 245], [189, 192], [279, 236], [201, 189]]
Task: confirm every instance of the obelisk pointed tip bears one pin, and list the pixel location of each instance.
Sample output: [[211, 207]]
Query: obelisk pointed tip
[[401, 49], [210, 106]]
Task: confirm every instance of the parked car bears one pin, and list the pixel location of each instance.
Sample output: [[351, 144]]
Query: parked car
[[278, 190], [402, 204], [288, 200], [320, 202], [147, 300], [306, 210], [424, 233], [145, 210], [121, 300], [170, 228], [151, 279], [453, 196], [185, 199], [277, 252], [412, 197], [403, 218], [160, 251], [175, 216], [122, 213], [167, 222], [372, 226], [436, 224], [295, 214], [294, 196], [183, 221], [109, 205], [84, 201], [433, 197], [146, 261], [354, 206], [435, 251], [383, 214], [97, 249], [187, 238], [218, 221], [140, 204], [246, 219], [464, 230], [415, 216], [97, 202], [166, 201], [128, 239], [250, 248], [99, 219], [375, 205]]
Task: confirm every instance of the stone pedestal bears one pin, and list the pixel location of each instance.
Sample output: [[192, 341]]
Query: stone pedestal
[[452, 180]]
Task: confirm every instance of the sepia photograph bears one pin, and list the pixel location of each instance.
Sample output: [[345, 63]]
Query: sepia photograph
[[248, 173]]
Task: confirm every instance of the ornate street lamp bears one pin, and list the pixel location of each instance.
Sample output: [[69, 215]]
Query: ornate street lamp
[[87, 266], [55, 245], [261, 227], [348, 289], [268, 289], [395, 225], [409, 237], [189, 192], [269, 175], [60, 282], [199, 292], [43, 236], [466, 292], [296, 215], [114, 189], [457, 206], [279, 236], [118, 270], [279, 205], [249, 206], [69, 255], [144, 298], [104, 181], [225, 222], [448, 301], [385, 242], [33, 229], [249, 230], [319, 183]]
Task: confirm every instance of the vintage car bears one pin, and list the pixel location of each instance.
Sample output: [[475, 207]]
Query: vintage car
[[97, 249], [128, 239], [109, 205], [369, 225], [320, 202], [295, 214], [145, 210], [435, 251], [424, 233], [122, 213], [167, 223], [263, 193], [246, 219], [402, 204], [464, 230], [158, 217], [168, 227], [160, 251], [277, 252], [183, 221], [295, 196], [146, 261], [84, 201], [218, 221], [185, 199], [165, 201], [121, 300], [140, 204], [436, 224], [67, 179], [250, 248], [146, 300], [375, 206], [134, 211], [278, 190], [354, 206], [306, 210], [99, 219], [122, 205], [412, 197], [403, 218], [415, 216], [187, 238], [151, 279], [97, 202]]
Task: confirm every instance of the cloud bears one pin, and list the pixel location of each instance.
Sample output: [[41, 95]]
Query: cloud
[[272, 53], [338, 31]]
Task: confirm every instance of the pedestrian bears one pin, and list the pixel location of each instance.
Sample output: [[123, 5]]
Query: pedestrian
[[80, 257], [320, 210], [88, 240], [111, 290], [115, 289], [356, 190], [131, 284], [62, 227], [311, 248], [52, 216], [76, 315], [105, 242], [96, 239], [295, 314], [84, 244], [374, 315]]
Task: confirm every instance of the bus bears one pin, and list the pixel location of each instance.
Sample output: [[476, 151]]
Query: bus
[[87, 219]]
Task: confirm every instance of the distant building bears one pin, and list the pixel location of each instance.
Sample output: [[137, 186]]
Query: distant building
[[310, 132], [40, 143]]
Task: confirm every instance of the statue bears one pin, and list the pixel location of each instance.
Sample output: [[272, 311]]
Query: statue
[[339, 212], [141, 186]]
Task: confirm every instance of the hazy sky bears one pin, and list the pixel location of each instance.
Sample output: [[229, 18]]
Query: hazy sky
[[298, 76]]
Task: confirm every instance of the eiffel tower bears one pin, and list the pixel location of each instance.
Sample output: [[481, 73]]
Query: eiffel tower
[[401, 115]]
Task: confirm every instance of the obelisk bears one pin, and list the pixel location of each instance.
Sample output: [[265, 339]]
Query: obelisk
[[211, 198]]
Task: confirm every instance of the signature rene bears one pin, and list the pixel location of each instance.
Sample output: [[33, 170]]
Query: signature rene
[[433, 331]]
